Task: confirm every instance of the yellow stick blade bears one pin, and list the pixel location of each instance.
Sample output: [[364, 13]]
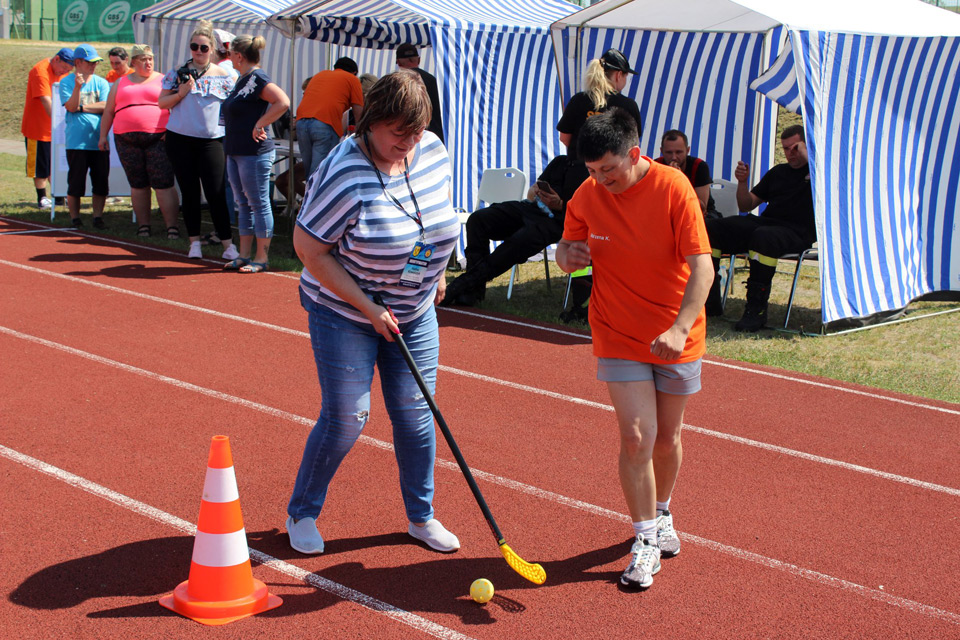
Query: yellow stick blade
[[532, 572]]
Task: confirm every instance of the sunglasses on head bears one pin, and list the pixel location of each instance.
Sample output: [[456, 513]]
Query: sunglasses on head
[[202, 48]]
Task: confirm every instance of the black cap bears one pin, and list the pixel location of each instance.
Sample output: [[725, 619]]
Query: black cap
[[614, 61], [407, 51]]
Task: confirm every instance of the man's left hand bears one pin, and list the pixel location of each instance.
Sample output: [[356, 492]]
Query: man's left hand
[[552, 200], [669, 344]]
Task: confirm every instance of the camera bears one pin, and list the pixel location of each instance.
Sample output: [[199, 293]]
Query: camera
[[184, 74]]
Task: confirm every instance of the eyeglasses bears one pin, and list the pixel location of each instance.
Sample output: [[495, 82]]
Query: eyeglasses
[[202, 48]]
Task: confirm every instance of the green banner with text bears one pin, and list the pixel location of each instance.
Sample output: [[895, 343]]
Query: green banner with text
[[98, 20]]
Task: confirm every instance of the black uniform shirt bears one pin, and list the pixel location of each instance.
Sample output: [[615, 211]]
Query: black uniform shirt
[[789, 199]]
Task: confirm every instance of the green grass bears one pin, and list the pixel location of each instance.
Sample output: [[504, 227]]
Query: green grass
[[917, 357]]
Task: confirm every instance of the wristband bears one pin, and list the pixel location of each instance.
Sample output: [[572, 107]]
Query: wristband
[[80, 108]]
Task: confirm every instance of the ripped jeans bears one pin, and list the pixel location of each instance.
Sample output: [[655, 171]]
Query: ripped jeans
[[345, 353]]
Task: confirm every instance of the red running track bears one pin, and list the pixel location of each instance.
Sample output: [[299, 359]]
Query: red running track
[[808, 508]]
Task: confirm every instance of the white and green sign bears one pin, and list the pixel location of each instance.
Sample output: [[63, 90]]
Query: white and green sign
[[98, 20]]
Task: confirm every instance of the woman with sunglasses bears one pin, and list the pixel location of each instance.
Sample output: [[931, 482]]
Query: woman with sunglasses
[[376, 220], [193, 94]]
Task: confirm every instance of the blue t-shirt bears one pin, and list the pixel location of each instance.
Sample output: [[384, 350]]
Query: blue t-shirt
[[345, 205], [83, 129], [241, 110]]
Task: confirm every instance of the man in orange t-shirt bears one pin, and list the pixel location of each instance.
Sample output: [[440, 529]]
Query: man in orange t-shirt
[[639, 224], [320, 112], [35, 124]]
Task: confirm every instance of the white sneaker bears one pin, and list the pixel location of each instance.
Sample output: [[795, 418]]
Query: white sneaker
[[667, 538], [231, 253], [435, 536], [304, 536], [45, 203], [195, 251], [644, 564]]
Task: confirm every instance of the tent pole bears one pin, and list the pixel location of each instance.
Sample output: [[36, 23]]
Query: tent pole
[[291, 160]]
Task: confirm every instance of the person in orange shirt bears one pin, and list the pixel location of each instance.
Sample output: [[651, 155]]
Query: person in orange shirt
[[320, 112], [119, 64], [35, 124], [639, 224]]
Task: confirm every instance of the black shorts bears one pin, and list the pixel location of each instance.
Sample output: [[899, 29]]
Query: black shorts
[[82, 160], [38, 158]]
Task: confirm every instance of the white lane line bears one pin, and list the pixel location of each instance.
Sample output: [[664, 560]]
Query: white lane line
[[334, 588], [20, 233], [759, 372], [536, 492], [913, 482]]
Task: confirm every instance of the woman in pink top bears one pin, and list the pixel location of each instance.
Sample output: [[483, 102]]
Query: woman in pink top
[[139, 126]]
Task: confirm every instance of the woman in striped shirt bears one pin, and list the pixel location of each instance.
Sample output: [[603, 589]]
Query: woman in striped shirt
[[376, 220]]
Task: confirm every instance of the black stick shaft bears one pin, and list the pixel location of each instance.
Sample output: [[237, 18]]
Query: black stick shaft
[[449, 437]]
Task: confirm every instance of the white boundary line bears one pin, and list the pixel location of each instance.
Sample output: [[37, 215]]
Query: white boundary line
[[334, 588], [340, 590], [759, 372], [605, 407], [20, 233]]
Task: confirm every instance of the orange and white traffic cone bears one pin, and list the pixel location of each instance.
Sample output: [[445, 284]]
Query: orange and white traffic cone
[[221, 587]]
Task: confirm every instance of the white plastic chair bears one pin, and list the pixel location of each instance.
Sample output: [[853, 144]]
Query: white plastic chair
[[496, 185], [724, 194]]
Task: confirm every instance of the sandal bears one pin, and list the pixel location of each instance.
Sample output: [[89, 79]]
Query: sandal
[[173, 233], [255, 267], [210, 239], [143, 231], [236, 264]]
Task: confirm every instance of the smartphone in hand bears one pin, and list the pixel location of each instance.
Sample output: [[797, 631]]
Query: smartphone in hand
[[543, 185]]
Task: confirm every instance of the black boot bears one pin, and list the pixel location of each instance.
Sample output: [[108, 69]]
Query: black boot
[[714, 305], [755, 314], [466, 290]]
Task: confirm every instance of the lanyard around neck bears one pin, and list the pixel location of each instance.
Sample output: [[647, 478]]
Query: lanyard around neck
[[418, 218]]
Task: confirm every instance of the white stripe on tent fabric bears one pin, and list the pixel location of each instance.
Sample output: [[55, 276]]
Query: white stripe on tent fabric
[[779, 82], [701, 87], [885, 160]]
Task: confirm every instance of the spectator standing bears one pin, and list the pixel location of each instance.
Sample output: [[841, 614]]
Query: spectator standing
[[139, 126], [193, 93], [35, 124], [640, 225], [84, 96], [119, 66], [255, 103], [409, 58], [320, 113], [223, 41]]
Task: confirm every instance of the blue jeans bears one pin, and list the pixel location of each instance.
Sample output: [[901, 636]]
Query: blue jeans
[[346, 352], [316, 139], [250, 178]]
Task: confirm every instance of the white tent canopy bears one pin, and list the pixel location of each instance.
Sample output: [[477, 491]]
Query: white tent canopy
[[499, 91], [167, 27], [878, 84]]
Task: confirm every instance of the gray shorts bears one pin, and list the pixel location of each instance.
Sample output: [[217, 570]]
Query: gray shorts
[[680, 379]]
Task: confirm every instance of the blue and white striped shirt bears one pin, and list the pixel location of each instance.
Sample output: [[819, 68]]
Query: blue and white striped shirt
[[345, 205]]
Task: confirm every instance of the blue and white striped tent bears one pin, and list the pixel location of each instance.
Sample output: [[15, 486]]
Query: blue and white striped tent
[[878, 83], [499, 88], [168, 25]]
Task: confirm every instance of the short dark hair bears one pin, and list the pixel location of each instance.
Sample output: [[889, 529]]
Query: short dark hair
[[120, 52], [613, 131], [399, 97], [347, 64], [674, 134], [793, 130]]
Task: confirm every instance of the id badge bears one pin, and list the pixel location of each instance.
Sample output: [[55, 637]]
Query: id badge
[[416, 269]]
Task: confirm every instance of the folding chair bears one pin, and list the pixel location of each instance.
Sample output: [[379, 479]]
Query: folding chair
[[813, 253], [496, 185], [724, 194]]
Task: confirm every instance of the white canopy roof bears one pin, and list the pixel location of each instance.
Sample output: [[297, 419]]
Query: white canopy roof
[[886, 17]]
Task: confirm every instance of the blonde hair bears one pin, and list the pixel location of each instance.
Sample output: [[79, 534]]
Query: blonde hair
[[249, 47], [205, 29], [597, 83]]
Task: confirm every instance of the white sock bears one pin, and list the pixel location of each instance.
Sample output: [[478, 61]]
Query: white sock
[[663, 506], [647, 529]]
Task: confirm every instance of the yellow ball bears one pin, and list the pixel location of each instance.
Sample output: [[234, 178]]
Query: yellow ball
[[481, 590]]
